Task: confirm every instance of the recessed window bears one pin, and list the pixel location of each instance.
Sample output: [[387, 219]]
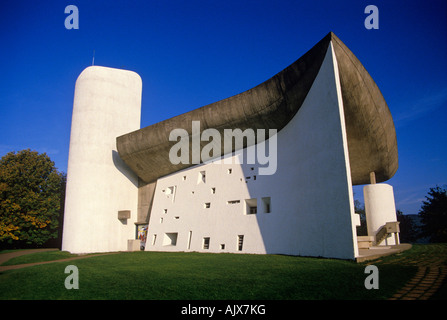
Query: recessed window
[[201, 177], [213, 190], [176, 218], [251, 206], [222, 246], [170, 239], [206, 243], [266, 204], [161, 220], [189, 239], [207, 205], [229, 171], [170, 192], [233, 201], [240, 242], [154, 237], [165, 211], [184, 178]]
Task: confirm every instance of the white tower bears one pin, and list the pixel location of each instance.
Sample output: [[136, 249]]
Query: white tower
[[102, 193], [380, 209]]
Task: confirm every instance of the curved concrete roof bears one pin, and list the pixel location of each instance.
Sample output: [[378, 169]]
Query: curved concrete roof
[[271, 105]]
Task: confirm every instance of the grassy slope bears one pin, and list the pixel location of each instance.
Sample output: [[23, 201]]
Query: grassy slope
[[156, 275]]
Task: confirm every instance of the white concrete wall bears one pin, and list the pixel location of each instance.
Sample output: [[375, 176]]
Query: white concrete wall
[[312, 209], [107, 103], [380, 208]]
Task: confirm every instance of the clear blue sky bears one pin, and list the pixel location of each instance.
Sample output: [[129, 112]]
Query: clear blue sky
[[192, 53]]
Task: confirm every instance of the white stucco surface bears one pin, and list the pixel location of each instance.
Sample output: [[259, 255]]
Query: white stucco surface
[[107, 103], [380, 208], [311, 202]]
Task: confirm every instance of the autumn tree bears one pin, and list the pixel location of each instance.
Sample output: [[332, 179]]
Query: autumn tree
[[31, 191], [433, 214]]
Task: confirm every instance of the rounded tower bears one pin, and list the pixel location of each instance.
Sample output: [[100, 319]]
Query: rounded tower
[[102, 193]]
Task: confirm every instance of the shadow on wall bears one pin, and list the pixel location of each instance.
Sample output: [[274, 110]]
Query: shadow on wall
[[123, 168]]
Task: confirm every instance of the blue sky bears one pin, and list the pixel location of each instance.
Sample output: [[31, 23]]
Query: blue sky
[[192, 53]]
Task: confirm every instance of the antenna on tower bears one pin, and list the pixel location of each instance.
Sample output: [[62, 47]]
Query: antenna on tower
[[93, 61]]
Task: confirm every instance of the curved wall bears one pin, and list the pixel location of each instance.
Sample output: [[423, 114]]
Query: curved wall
[[305, 207], [107, 103]]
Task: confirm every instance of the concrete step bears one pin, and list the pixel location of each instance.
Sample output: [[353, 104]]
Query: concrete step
[[365, 242]]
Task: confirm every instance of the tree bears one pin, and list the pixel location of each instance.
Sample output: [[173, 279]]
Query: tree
[[360, 209], [30, 198], [433, 214], [408, 231]]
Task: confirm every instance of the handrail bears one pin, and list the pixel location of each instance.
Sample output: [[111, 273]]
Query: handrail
[[381, 234], [385, 230]]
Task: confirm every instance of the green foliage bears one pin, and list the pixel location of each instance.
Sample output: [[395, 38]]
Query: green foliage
[[434, 215], [408, 231], [360, 209], [30, 198]]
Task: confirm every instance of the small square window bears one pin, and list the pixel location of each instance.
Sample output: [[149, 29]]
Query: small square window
[[207, 205], [170, 239], [222, 246], [213, 190], [251, 206]]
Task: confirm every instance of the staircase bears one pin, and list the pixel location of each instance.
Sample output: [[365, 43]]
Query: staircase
[[369, 242], [380, 235], [365, 242]]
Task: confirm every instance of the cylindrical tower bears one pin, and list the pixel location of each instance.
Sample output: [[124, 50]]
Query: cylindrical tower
[[107, 104], [379, 207]]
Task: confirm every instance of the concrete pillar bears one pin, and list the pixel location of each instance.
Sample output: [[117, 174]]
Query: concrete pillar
[[372, 177]]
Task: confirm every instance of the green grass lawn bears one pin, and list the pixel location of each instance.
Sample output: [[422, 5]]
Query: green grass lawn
[[38, 257], [191, 276]]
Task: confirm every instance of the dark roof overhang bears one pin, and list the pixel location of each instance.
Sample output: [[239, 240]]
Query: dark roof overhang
[[271, 105]]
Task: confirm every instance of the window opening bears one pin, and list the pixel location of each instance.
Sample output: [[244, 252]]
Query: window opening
[[154, 237], [202, 177], [251, 206], [206, 243], [189, 239], [240, 242], [170, 239], [266, 204]]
